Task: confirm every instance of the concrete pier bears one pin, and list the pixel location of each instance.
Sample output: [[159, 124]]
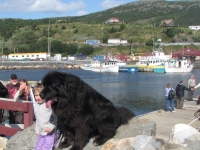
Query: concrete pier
[[166, 121]]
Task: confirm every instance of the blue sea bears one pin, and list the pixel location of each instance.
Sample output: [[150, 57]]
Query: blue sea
[[142, 92]]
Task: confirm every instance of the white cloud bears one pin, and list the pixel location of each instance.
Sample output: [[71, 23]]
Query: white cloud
[[40, 6], [111, 3], [80, 13]]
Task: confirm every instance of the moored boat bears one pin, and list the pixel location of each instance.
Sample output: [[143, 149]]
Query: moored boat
[[128, 68], [180, 66], [110, 66], [156, 59]]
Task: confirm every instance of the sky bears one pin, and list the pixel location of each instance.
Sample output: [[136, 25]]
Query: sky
[[39, 9]]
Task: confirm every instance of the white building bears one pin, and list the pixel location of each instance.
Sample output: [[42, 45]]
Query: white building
[[195, 27], [114, 41], [117, 41], [57, 57], [28, 56]]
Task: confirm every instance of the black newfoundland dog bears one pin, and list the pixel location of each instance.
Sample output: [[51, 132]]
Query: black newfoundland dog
[[83, 112]]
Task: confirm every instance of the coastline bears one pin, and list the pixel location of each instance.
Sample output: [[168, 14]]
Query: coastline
[[73, 64], [166, 121]]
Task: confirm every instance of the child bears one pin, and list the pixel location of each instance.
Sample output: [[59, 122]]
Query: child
[[45, 122]]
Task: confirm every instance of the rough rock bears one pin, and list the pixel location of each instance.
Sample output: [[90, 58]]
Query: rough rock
[[3, 142], [193, 141], [140, 142], [26, 139], [180, 132]]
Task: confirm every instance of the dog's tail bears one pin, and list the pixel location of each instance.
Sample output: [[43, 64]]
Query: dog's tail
[[125, 114]]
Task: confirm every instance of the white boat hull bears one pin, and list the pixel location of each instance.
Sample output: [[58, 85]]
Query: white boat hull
[[85, 68], [106, 69], [178, 69]]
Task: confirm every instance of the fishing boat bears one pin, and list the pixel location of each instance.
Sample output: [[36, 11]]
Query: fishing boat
[[110, 66], [179, 66], [156, 59], [98, 66], [93, 64]]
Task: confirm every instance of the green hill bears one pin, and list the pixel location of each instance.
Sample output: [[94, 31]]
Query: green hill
[[140, 24]]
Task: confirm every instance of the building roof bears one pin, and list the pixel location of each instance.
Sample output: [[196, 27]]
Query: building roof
[[186, 52], [167, 21]]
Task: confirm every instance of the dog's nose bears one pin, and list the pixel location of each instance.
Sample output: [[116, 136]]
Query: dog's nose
[[41, 95]]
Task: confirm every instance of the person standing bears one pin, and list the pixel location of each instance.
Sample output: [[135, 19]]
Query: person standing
[[3, 94], [180, 94], [169, 102], [191, 84], [45, 122], [13, 87]]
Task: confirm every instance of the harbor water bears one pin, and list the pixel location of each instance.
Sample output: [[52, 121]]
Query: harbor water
[[142, 92]]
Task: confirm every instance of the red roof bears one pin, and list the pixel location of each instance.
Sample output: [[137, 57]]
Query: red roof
[[186, 52]]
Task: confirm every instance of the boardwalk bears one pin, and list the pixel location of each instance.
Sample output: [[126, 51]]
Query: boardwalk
[[166, 121]]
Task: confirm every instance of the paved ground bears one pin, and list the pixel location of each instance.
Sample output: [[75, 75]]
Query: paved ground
[[166, 121]]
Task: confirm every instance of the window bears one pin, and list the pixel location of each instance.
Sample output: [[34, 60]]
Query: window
[[22, 55], [32, 55], [27, 56]]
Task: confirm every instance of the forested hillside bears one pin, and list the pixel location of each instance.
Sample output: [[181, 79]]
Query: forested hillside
[[140, 24]]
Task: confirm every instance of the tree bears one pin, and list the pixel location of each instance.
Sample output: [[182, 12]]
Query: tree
[[56, 46], [170, 32], [76, 31], [105, 39], [63, 27], [70, 49], [86, 49], [41, 45]]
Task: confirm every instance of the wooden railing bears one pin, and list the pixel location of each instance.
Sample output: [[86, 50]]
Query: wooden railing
[[24, 106]]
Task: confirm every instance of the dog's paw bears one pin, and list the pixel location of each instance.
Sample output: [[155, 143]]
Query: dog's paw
[[75, 147], [100, 140], [64, 145]]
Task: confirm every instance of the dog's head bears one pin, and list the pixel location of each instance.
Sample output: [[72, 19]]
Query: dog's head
[[59, 85], [53, 86]]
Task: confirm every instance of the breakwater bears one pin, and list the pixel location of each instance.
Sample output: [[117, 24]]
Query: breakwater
[[18, 65]]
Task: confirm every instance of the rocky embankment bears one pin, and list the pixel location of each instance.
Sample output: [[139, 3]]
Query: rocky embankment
[[138, 134], [46, 66]]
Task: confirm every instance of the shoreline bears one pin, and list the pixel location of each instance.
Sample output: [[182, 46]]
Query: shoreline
[[18, 65], [166, 121]]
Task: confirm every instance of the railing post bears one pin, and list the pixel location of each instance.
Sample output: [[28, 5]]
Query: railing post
[[28, 116]]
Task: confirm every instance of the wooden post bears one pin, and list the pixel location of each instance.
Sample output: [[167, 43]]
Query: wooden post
[[23, 106]]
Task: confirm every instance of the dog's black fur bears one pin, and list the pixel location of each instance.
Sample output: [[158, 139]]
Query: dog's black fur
[[82, 111]]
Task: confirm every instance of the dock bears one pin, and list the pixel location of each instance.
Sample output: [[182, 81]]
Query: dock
[[166, 121]]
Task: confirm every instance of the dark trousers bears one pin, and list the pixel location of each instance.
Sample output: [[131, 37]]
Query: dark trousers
[[180, 101], [16, 117], [1, 115], [190, 94]]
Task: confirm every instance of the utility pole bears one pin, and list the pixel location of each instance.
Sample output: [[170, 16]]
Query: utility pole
[[49, 48], [2, 47]]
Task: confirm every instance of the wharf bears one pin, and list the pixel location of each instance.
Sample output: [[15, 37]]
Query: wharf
[[166, 121]]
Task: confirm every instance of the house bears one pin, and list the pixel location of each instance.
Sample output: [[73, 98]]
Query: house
[[168, 23], [114, 41], [28, 56], [195, 27], [112, 20], [117, 41], [92, 41]]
